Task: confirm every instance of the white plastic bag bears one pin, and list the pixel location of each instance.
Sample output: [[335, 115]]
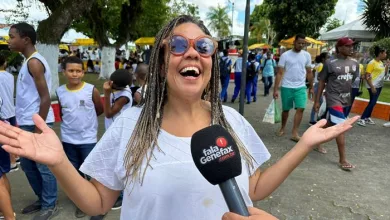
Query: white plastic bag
[[269, 116], [322, 109]]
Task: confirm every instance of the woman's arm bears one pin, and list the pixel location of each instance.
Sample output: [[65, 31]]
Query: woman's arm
[[91, 197], [45, 148], [263, 184]]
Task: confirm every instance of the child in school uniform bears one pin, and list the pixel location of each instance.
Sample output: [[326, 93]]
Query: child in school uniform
[[117, 95], [7, 106], [117, 98], [140, 74], [80, 105]]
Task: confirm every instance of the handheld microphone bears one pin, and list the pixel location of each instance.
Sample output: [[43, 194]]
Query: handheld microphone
[[218, 159]]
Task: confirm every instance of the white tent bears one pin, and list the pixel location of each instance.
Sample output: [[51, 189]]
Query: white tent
[[355, 30]]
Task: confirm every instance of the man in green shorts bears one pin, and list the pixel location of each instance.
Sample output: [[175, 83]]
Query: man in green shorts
[[294, 67]]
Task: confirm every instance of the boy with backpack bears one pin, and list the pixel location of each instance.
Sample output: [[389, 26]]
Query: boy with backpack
[[268, 68], [252, 71], [224, 69]]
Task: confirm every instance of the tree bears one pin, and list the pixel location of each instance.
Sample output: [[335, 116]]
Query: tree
[[376, 17], [50, 30], [261, 25], [333, 24], [123, 21], [301, 16], [180, 7], [219, 21], [383, 43]]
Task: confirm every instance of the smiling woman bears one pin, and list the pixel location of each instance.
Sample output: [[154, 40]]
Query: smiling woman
[[147, 150]]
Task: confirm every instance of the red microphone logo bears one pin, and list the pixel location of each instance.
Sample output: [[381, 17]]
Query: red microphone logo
[[221, 142]]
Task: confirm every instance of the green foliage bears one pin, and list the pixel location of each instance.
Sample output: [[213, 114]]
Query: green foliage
[[300, 16], [123, 20], [376, 17], [220, 22], [384, 43], [181, 7], [333, 24], [260, 25], [13, 58]]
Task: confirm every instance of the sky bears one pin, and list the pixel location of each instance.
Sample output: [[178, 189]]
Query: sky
[[346, 10]]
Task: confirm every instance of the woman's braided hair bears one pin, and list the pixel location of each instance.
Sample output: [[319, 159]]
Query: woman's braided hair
[[143, 140]]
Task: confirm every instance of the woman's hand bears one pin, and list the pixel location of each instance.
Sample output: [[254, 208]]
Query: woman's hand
[[317, 134], [255, 214], [43, 148]]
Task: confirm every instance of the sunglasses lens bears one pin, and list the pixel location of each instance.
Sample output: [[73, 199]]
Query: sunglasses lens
[[205, 46], [179, 45]]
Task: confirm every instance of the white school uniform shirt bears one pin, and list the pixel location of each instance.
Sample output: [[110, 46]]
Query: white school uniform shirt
[[126, 92], [79, 120], [173, 188], [7, 107], [139, 90], [294, 65], [27, 97]]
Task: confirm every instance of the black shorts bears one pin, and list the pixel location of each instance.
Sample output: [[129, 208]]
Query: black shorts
[[5, 163]]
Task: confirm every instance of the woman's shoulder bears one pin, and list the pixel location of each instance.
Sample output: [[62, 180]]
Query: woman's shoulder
[[233, 116], [126, 120]]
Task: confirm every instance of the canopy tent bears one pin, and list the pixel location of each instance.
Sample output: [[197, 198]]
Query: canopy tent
[[259, 46], [290, 42], [84, 42], [143, 41], [356, 30], [3, 40]]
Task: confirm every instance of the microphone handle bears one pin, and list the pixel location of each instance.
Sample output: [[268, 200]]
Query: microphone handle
[[233, 197]]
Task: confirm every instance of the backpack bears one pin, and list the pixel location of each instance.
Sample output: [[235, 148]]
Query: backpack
[[224, 68], [251, 71]]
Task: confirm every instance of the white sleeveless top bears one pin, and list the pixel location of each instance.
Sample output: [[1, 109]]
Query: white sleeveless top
[[7, 106], [79, 121], [27, 97], [126, 92]]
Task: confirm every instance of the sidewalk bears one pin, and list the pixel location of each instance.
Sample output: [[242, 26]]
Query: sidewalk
[[317, 189]]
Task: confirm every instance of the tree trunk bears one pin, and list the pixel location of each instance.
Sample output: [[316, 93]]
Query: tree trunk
[[51, 30], [108, 62], [50, 52]]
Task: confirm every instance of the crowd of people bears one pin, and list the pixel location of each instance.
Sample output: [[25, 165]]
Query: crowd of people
[[143, 160]]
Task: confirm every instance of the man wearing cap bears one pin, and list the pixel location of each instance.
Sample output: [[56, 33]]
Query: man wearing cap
[[338, 75]]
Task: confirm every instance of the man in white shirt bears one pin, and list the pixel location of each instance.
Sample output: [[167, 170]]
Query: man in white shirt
[[294, 67]]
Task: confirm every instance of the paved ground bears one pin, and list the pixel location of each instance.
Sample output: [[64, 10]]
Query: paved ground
[[317, 189]]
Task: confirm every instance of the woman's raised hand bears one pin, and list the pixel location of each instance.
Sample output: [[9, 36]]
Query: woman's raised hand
[[43, 148], [317, 134]]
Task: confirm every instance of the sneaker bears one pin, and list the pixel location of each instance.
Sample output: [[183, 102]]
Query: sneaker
[[98, 217], [117, 205], [362, 122], [47, 214], [18, 161], [79, 213], [370, 121], [14, 167], [387, 125], [35, 207], [233, 100]]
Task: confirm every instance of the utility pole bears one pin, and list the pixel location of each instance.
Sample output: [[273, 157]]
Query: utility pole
[[244, 58], [231, 35]]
